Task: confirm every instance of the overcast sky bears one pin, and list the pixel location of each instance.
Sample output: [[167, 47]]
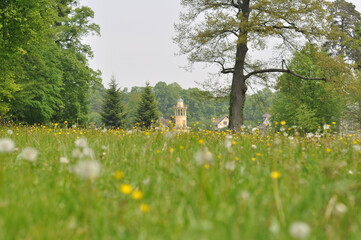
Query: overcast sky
[[136, 43]]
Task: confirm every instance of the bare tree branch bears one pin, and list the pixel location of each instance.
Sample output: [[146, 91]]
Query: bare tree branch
[[284, 70]]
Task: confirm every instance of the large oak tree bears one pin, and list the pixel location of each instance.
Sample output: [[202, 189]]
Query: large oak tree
[[223, 31]]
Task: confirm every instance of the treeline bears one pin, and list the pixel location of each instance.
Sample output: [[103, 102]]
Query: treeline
[[201, 106], [44, 72]]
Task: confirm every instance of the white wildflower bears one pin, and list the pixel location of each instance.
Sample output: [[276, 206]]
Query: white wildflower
[[326, 127], [274, 226], [310, 135], [290, 137], [245, 195], [146, 181], [285, 134], [228, 144], [30, 154], [6, 145], [277, 141], [229, 136], [10, 132], [64, 160], [230, 166], [81, 142], [299, 230], [357, 147], [282, 129], [87, 169], [203, 157], [350, 172], [254, 146]]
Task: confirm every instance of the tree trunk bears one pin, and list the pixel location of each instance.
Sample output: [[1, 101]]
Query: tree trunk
[[238, 92], [239, 88]]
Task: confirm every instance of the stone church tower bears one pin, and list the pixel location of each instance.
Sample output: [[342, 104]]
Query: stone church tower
[[180, 115]]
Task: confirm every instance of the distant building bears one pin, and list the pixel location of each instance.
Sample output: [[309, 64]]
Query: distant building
[[219, 123], [164, 122], [266, 122], [180, 114]]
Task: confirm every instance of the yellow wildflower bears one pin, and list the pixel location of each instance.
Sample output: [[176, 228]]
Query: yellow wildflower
[[126, 188], [137, 195], [283, 122], [118, 175], [200, 141], [275, 174], [144, 207]]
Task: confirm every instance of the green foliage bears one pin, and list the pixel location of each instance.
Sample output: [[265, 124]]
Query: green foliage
[[41, 85], [167, 96], [147, 111], [345, 40], [113, 110], [44, 61], [256, 105], [306, 103], [23, 23]]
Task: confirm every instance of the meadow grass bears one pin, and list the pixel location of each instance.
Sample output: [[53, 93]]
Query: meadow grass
[[197, 185]]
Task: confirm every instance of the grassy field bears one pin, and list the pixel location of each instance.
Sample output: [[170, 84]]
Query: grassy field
[[94, 184]]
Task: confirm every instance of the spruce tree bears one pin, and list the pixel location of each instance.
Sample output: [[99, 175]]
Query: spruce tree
[[147, 112], [113, 110]]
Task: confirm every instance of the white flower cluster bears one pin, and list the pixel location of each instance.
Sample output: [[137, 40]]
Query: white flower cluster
[[86, 167], [203, 157]]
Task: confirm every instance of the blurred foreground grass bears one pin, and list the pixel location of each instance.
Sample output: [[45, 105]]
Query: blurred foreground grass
[[170, 185]]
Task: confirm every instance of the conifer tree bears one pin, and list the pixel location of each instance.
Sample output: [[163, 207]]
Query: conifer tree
[[113, 110], [147, 112]]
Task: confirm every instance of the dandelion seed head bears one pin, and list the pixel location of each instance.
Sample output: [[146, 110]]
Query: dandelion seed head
[[340, 208], [230, 166], [299, 230], [77, 153], [87, 169], [30, 154], [81, 143], [6, 145]]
